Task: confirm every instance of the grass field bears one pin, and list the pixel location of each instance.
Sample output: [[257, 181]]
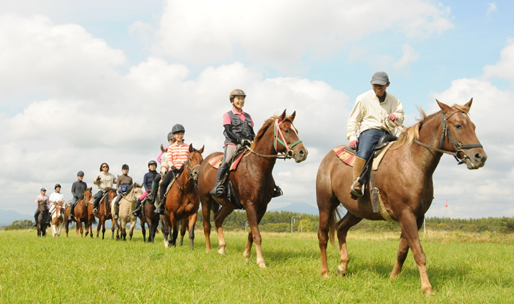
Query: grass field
[[463, 268]]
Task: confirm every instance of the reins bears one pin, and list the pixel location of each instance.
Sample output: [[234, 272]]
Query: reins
[[459, 148], [278, 137], [190, 169]]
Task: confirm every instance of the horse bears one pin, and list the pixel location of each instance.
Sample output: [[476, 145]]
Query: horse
[[42, 218], [57, 219], [127, 206], [151, 218], [404, 180], [253, 181], [104, 213], [82, 214], [182, 200]]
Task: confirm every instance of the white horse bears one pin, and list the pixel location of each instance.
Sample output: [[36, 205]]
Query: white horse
[[127, 206], [57, 213]]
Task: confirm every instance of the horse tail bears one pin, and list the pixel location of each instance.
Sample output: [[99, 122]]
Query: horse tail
[[332, 220]]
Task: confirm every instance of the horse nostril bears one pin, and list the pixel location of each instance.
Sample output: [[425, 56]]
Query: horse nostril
[[302, 152]]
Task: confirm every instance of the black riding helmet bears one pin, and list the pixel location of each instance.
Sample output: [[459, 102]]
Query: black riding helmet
[[178, 128], [152, 162], [80, 173], [124, 167], [57, 185], [170, 136]]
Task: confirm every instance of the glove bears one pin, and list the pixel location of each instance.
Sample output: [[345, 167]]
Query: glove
[[174, 169], [353, 144], [98, 179], [245, 142], [392, 117]]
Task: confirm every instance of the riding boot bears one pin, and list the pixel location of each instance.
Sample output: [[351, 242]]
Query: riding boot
[[35, 218], [356, 188], [72, 212], [219, 188], [136, 211], [96, 203], [277, 191]]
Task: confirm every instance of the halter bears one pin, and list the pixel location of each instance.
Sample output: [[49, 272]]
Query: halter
[[459, 148], [278, 137], [190, 169]]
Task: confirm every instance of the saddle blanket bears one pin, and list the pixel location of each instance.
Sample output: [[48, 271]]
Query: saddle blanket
[[348, 157], [215, 162]]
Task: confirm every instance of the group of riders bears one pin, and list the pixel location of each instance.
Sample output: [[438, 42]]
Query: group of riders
[[375, 113]]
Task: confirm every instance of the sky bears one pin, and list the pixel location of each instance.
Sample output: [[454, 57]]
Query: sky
[[86, 82]]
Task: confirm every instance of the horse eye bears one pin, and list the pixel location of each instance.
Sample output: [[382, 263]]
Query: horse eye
[[287, 131], [458, 126]]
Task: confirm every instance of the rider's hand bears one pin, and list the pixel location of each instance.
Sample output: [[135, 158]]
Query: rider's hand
[[392, 117], [353, 144], [245, 142], [98, 179]]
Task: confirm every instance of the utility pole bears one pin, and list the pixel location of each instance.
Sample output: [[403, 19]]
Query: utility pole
[[292, 221]]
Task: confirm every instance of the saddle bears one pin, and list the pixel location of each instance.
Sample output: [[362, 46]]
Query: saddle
[[215, 162]]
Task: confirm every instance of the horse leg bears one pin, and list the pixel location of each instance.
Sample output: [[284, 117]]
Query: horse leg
[[103, 228], [249, 242], [98, 227], [191, 221], [113, 227], [206, 213], [218, 221], [143, 230], [349, 220], [409, 225], [131, 231], [403, 250], [174, 225], [183, 226], [252, 217], [165, 231]]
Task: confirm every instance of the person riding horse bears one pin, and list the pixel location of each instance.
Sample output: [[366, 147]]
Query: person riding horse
[[123, 182], [77, 190], [177, 157], [147, 183], [238, 127], [56, 197], [104, 180], [162, 159], [44, 199], [373, 114]]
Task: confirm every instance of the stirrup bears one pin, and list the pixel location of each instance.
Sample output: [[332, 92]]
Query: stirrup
[[355, 192], [218, 191]]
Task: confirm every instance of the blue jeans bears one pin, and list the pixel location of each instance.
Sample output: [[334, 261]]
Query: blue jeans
[[367, 142]]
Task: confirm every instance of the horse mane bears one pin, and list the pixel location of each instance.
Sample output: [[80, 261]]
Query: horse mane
[[265, 127], [409, 134], [132, 187]]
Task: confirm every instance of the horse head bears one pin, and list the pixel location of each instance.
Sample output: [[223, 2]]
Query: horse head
[[194, 160], [286, 138], [459, 135], [88, 193]]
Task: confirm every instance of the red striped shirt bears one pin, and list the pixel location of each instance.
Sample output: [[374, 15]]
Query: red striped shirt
[[177, 155]]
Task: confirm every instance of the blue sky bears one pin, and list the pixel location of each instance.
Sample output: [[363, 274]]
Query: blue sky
[[85, 82]]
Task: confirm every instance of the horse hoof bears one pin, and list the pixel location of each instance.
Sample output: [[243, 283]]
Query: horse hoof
[[341, 270], [222, 251], [261, 264]]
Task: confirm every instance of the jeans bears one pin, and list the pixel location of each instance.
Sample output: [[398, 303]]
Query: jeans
[[367, 142]]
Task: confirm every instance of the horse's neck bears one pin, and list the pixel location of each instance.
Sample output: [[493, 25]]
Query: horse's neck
[[264, 147], [430, 134]]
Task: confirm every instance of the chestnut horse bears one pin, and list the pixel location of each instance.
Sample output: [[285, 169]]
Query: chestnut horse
[[253, 181], [104, 211], [182, 200], [82, 214], [57, 219], [405, 182]]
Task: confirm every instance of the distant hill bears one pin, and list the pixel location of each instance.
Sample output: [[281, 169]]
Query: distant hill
[[299, 207], [9, 216]]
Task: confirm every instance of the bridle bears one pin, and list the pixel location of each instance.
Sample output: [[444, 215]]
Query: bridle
[[459, 148], [190, 171], [278, 137]]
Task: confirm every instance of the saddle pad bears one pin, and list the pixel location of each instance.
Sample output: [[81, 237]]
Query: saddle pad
[[349, 158], [215, 162]]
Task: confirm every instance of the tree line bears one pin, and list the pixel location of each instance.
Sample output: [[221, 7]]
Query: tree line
[[280, 221]]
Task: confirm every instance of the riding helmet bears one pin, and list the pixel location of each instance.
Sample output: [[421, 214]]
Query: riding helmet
[[236, 92], [170, 136], [124, 167], [152, 162], [178, 128], [57, 185], [80, 173]]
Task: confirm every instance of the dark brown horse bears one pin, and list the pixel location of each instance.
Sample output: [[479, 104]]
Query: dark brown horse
[[104, 211], [42, 218], [182, 200], [253, 181], [150, 218], [82, 214], [404, 179]]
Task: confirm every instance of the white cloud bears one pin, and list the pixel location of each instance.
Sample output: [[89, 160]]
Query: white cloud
[[491, 8], [504, 68], [281, 33], [409, 56]]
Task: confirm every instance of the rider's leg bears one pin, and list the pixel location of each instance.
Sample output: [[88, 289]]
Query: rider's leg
[[98, 196], [229, 152], [117, 203], [137, 211], [35, 217], [164, 185], [155, 186], [72, 208]]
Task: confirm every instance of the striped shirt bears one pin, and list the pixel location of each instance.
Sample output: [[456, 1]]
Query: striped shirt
[[177, 155]]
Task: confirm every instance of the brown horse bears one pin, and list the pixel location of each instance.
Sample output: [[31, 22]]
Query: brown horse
[[182, 200], [82, 214], [405, 182], [104, 211], [253, 181], [57, 219], [151, 218]]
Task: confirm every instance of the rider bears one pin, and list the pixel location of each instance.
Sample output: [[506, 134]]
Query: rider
[[40, 198], [238, 131], [373, 114], [147, 182], [177, 156], [77, 190], [164, 168], [56, 197], [104, 180], [123, 182]]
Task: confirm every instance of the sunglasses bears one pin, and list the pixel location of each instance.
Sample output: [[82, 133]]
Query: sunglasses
[[105, 166]]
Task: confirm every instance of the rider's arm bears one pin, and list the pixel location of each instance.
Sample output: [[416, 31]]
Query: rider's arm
[[233, 137], [354, 121]]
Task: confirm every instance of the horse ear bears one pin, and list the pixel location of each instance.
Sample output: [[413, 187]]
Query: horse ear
[[468, 104], [292, 116], [201, 150], [162, 148], [444, 107], [191, 147], [283, 115]]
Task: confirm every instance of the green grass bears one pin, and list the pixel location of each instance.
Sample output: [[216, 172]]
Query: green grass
[[462, 268]]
